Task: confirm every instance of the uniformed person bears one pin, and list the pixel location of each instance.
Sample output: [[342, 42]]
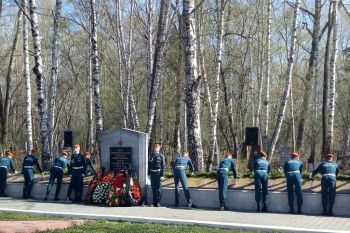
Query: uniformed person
[[292, 171], [78, 169], [6, 164], [222, 176], [180, 165], [156, 166], [329, 171], [87, 155], [29, 162], [56, 172], [261, 177]]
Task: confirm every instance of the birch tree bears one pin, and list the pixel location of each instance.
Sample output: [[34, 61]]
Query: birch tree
[[287, 87], [315, 48], [96, 76], [267, 74], [326, 80], [26, 76], [157, 62], [41, 84], [332, 79], [192, 85], [220, 6], [54, 72], [126, 60], [310, 75], [9, 79]]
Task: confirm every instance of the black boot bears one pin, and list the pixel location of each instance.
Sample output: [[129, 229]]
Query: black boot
[[264, 209], [299, 210], [176, 202], [330, 211], [291, 209], [222, 206], [324, 212], [258, 207], [190, 204]]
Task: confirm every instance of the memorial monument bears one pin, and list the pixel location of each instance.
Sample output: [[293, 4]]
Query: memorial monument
[[125, 148]]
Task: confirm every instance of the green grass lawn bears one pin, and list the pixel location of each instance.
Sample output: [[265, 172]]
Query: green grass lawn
[[128, 227], [104, 226], [10, 216]]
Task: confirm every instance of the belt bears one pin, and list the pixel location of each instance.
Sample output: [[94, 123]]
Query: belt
[[58, 167], [293, 172], [78, 167], [328, 174], [223, 168], [260, 170], [179, 166], [156, 170], [28, 167], [4, 166]]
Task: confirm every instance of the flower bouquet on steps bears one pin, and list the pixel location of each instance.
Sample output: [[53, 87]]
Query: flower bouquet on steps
[[93, 183], [100, 193], [124, 192]]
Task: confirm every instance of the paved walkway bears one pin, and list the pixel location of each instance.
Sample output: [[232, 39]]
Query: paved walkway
[[35, 226], [170, 215]]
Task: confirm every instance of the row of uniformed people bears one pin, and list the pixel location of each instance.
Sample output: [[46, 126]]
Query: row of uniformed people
[[76, 165], [292, 170]]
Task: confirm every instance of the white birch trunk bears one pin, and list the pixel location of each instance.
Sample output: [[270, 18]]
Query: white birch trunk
[[54, 70], [126, 60], [133, 111], [40, 81], [157, 63], [332, 79], [267, 75], [149, 10], [292, 115], [26, 76], [288, 81], [220, 6], [192, 85], [96, 76]]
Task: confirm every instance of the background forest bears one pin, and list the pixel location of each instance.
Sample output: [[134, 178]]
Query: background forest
[[193, 74]]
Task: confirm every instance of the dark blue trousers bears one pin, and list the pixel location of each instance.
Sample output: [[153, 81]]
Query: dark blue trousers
[[70, 188], [294, 182], [328, 188], [156, 187], [261, 193], [222, 183], [3, 179], [77, 180], [28, 182], [55, 174], [180, 176]]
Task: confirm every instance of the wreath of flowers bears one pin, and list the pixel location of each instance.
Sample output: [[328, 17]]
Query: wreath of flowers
[[93, 183], [112, 190]]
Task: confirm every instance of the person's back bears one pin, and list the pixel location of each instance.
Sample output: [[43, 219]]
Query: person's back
[[7, 163], [60, 162]]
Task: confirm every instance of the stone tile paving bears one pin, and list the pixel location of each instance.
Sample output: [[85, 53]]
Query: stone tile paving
[[170, 215], [35, 226]]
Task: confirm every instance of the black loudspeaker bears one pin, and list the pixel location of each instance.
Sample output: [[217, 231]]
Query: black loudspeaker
[[68, 138], [252, 136]]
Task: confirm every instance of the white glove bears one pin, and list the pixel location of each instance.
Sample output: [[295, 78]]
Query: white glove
[[162, 178], [192, 173]]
